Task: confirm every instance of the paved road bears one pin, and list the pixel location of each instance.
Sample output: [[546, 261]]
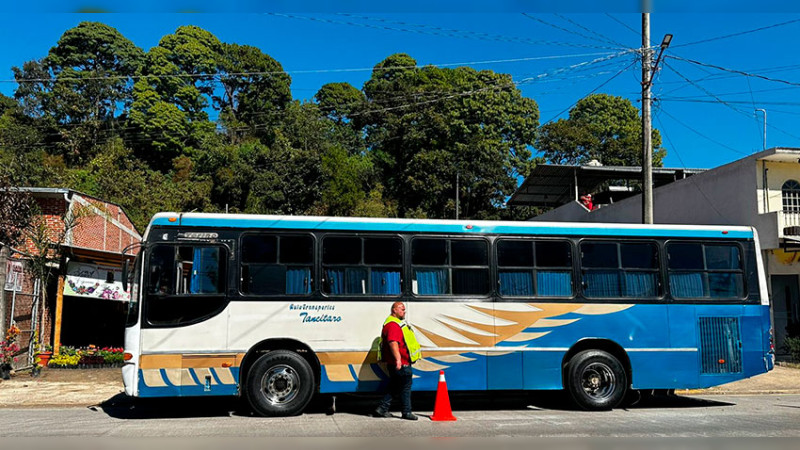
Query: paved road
[[508, 415]]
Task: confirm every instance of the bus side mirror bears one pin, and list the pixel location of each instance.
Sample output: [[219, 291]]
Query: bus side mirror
[[125, 275]]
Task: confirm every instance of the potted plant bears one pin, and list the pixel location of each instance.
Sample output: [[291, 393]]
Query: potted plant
[[44, 356]]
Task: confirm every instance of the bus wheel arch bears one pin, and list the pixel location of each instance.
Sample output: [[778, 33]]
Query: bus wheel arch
[[295, 355], [597, 374]]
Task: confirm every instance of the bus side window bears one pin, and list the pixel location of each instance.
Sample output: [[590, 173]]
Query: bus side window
[[705, 270], [276, 264], [360, 266], [450, 266]]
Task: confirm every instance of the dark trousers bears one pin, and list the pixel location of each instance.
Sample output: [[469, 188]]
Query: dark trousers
[[399, 388]]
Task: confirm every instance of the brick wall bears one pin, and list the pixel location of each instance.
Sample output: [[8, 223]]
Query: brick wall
[[102, 226]]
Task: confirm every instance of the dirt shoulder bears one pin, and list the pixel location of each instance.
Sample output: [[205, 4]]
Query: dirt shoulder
[[61, 387], [780, 380]]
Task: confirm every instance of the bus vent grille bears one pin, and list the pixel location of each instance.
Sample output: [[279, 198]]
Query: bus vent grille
[[720, 345]]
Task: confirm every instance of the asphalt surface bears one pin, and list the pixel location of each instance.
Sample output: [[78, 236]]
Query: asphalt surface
[[505, 415]]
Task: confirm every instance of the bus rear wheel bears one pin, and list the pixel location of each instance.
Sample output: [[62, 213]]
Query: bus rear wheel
[[280, 383], [596, 380]]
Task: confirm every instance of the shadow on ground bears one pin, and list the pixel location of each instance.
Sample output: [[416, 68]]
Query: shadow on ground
[[123, 407]]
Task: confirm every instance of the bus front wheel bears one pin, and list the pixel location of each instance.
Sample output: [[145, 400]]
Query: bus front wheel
[[280, 383], [596, 380]]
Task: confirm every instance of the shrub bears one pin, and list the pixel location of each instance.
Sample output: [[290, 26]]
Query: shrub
[[792, 345]]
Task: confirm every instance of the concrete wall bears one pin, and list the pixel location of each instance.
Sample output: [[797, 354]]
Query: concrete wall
[[778, 172], [724, 196]]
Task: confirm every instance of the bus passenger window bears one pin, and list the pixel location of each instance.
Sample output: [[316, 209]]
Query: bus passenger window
[[628, 269], [553, 269], [276, 265], [450, 266], [515, 268], [600, 267], [361, 266], [705, 271]]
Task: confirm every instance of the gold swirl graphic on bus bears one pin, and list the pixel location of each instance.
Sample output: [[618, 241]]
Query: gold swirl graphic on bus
[[464, 326]]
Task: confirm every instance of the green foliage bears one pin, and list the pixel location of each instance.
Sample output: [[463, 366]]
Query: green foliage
[[428, 126], [82, 85], [255, 101], [602, 127], [99, 115], [340, 100], [792, 346]]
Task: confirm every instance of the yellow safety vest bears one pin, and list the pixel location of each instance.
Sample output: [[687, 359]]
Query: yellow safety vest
[[414, 349]]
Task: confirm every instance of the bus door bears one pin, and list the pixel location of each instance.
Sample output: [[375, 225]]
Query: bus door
[[185, 294]]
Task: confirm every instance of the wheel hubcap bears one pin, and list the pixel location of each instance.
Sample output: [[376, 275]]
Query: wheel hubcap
[[598, 381], [280, 384]]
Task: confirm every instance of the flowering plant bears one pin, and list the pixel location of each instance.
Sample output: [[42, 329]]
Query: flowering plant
[[88, 356], [9, 347]]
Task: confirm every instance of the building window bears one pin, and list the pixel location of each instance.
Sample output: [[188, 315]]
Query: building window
[[790, 192]]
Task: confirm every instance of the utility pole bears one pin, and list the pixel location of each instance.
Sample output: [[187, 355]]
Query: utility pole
[[647, 125], [457, 174], [648, 72], [764, 145]]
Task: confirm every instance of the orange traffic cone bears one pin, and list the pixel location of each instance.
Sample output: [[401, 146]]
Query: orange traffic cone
[[441, 409]]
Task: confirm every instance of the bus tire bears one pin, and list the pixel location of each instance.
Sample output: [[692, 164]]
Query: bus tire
[[596, 380], [280, 383]]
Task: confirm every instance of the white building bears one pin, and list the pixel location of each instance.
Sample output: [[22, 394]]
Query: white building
[[760, 190]]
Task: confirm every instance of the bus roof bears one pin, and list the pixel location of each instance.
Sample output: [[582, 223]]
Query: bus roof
[[358, 224]]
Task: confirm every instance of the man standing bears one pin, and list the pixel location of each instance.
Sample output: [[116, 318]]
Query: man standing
[[399, 349]]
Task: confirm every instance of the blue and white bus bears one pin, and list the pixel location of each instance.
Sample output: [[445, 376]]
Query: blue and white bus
[[279, 308]]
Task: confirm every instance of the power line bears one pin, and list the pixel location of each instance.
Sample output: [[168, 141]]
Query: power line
[[693, 130], [702, 41], [591, 92], [439, 31], [692, 180], [141, 136], [735, 71], [751, 91], [637, 33], [602, 37], [220, 76], [567, 30], [724, 102], [732, 102]]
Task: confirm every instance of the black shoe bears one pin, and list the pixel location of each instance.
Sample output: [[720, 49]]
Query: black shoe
[[409, 416], [379, 413]]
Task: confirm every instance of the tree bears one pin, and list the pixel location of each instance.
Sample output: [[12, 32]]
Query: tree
[[602, 127], [83, 84], [168, 114], [427, 127], [255, 91], [338, 101]]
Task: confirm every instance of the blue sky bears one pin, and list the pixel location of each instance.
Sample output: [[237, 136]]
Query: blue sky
[[706, 114]]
